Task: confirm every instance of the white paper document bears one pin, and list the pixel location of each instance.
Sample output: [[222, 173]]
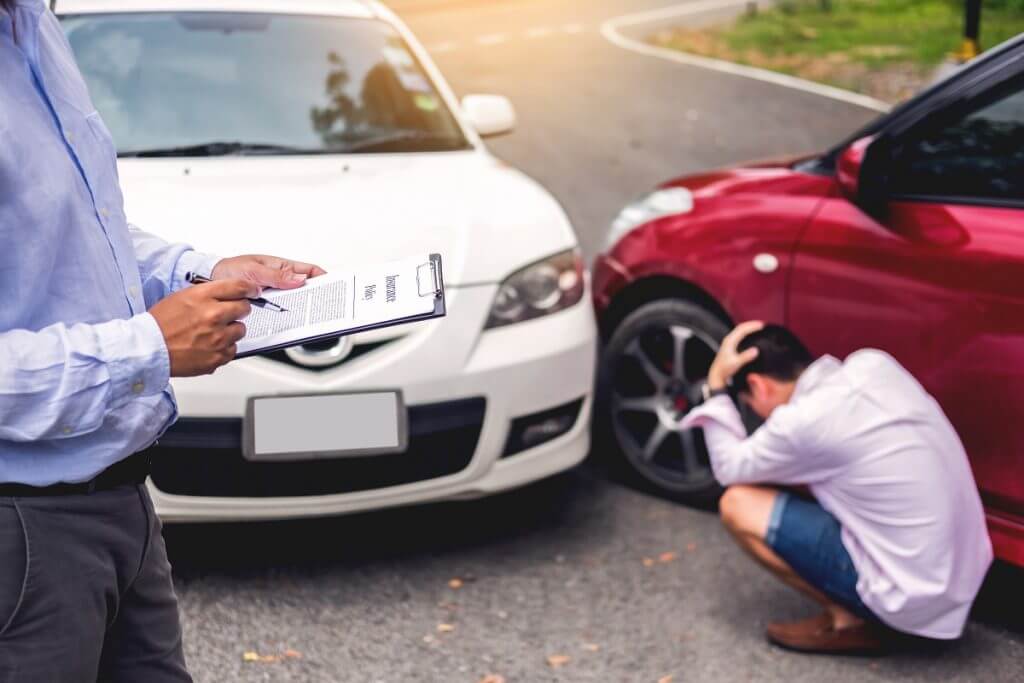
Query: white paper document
[[344, 302]]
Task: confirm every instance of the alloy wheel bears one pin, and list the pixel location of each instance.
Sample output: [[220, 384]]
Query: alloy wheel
[[655, 380]]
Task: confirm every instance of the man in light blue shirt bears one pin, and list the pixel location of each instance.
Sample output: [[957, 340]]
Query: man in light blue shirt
[[95, 317]]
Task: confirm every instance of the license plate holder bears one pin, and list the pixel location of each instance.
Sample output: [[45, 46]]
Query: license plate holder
[[293, 427]]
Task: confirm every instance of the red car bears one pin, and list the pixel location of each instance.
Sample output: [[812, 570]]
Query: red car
[[908, 237]]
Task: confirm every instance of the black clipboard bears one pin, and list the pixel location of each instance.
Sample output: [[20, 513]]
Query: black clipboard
[[429, 282]]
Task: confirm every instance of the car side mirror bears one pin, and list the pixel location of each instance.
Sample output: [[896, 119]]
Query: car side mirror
[[490, 115], [861, 174]]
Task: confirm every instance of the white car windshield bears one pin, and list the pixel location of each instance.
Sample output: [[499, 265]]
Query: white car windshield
[[222, 83]]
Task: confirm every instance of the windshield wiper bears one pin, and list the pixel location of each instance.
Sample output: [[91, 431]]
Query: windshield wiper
[[387, 141], [218, 149]]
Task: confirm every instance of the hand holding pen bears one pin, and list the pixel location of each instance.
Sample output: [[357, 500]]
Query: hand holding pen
[[195, 279]]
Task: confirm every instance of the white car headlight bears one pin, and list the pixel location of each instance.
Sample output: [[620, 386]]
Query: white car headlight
[[547, 286], [665, 202]]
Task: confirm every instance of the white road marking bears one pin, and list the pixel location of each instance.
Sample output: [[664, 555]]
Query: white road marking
[[448, 46], [498, 38], [492, 39], [610, 30]]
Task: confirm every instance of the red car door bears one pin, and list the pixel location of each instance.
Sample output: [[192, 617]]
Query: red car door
[[937, 280]]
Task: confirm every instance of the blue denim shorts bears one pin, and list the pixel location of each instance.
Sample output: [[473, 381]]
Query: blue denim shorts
[[807, 537]]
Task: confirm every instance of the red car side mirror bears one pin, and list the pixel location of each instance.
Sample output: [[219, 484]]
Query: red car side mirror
[[862, 172], [848, 167]]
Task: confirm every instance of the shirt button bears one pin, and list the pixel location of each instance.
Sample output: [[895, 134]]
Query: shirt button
[[138, 387], [66, 429], [104, 213], [69, 137], [133, 290]]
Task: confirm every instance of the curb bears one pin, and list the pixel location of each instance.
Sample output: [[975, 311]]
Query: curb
[[610, 29]]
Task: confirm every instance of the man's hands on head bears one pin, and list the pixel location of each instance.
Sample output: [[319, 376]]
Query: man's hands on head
[[729, 360], [200, 324], [266, 271]]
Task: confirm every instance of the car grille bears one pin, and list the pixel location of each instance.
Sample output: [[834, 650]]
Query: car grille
[[358, 351], [203, 457]]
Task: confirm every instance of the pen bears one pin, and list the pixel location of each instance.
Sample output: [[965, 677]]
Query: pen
[[196, 279]]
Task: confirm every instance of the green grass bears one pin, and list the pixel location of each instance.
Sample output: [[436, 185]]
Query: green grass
[[854, 41]]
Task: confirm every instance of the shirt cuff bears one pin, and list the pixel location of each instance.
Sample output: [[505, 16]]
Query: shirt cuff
[[718, 409], [192, 262], [142, 367]]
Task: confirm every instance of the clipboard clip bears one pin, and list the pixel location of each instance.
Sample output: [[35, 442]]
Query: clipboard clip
[[428, 279]]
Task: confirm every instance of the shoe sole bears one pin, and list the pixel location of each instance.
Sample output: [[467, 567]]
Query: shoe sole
[[849, 652]]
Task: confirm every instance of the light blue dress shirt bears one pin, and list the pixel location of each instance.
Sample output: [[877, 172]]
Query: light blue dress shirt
[[84, 368]]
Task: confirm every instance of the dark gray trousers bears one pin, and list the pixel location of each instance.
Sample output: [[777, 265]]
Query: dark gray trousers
[[86, 592]]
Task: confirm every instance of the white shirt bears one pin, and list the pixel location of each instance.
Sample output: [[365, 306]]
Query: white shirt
[[877, 452]]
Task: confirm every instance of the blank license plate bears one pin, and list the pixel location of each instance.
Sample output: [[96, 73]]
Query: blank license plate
[[324, 426]]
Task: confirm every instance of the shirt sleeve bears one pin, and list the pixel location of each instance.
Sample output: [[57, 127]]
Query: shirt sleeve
[[62, 382], [163, 265], [776, 453]]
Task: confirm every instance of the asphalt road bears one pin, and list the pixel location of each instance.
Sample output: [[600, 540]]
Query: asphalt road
[[558, 568]]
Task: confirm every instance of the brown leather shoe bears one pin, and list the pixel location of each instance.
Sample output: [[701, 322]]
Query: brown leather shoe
[[818, 635]]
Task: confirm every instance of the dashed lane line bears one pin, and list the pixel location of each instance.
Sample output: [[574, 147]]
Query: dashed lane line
[[611, 30], [447, 46], [492, 39]]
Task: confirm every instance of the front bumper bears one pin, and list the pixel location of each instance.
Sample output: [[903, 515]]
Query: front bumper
[[448, 370]]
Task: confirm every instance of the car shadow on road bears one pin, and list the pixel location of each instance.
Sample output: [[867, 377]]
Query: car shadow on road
[[999, 603], [537, 511]]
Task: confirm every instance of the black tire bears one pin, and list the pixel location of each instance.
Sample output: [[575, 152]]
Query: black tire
[[629, 399]]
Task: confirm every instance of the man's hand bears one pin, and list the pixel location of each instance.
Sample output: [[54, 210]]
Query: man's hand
[[729, 360], [265, 271], [200, 324]]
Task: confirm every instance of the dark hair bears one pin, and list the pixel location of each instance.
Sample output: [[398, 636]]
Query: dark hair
[[8, 4], [781, 355]]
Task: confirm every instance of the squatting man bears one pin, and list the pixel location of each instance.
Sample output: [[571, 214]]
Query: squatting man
[[856, 490]]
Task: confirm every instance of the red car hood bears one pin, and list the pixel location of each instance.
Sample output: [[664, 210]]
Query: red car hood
[[773, 176]]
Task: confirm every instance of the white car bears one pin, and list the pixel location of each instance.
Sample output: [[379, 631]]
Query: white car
[[321, 130]]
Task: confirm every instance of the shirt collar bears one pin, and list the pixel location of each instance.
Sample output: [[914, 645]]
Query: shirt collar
[[816, 373]]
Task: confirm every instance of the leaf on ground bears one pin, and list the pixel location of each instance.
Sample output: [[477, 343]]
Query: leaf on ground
[[428, 639], [690, 547], [667, 557], [445, 628], [591, 647], [665, 679], [492, 678], [455, 584], [648, 562], [555, 661], [251, 656], [292, 654]]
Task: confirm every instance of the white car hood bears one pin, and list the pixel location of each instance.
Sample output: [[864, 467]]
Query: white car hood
[[486, 219]]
